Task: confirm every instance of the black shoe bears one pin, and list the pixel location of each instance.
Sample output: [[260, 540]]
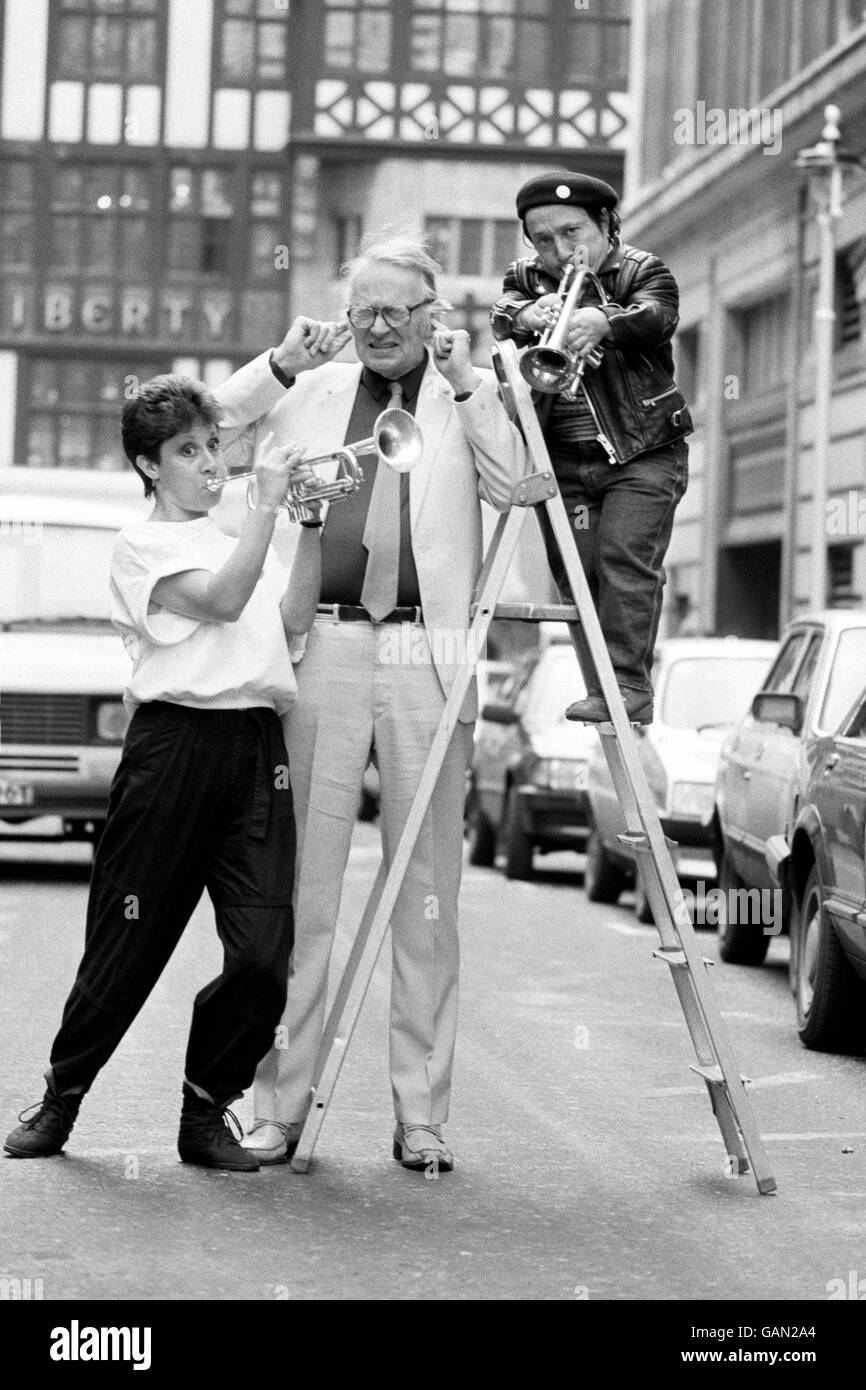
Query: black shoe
[[206, 1138], [45, 1133], [594, 710]]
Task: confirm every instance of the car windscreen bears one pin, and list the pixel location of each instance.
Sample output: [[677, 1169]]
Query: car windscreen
[[702, 691], [846, 678], [556, 683], [50, 572]]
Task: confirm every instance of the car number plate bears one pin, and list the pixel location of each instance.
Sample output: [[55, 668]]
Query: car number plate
[[15, 793]]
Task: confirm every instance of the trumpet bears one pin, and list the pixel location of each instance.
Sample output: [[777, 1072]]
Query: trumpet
[[396, 439], [550, 367]]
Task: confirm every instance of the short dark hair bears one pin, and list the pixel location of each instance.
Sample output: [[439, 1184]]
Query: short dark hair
[[160, 409]]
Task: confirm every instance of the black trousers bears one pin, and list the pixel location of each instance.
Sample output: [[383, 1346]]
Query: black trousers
[[200, 800]]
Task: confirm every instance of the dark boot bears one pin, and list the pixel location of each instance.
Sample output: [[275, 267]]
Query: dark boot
[[45, 1133], [594, 710], [206, 1138]]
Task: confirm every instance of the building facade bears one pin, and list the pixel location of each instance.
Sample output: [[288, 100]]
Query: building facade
[[179, 178], [729, 92]]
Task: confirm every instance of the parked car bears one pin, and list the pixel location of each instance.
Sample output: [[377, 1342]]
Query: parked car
[[702, 686], [825, 872], [528, 778], [63, 666], [766, 761]]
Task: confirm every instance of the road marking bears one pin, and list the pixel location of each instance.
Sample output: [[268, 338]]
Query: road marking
[[782, 1139], [623, 929]]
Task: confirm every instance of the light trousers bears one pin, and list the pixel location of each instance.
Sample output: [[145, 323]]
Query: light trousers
[[361, 688]]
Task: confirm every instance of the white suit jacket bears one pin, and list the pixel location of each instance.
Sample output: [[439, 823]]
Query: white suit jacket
[[471, 450]]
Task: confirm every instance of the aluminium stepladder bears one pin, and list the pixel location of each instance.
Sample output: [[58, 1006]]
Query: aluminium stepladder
[[643, 837]]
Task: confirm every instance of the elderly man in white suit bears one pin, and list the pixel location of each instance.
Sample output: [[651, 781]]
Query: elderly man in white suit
[[368, 685]]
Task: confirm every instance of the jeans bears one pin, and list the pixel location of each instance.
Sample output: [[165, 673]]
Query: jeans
[[622, 517]]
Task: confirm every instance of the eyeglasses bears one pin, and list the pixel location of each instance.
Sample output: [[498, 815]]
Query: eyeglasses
[[395, 315]]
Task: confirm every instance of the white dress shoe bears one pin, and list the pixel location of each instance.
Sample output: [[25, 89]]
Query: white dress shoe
[[422, 1146], [272, 1142]]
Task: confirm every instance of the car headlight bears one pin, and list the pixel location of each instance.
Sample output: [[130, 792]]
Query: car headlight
[[693, 800], [561, 774], [111, 721]]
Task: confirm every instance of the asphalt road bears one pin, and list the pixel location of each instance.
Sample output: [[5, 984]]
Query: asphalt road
[[589, 1164]]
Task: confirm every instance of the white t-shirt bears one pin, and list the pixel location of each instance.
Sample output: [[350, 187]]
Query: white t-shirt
[[208, 665]]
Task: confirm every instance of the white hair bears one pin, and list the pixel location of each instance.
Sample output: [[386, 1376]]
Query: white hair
[[404, 252]]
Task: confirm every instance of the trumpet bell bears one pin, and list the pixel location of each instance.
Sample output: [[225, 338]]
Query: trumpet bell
[[397, 439], [547, 369]]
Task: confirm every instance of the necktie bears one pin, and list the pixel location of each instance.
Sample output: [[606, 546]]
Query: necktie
[[382, 535]]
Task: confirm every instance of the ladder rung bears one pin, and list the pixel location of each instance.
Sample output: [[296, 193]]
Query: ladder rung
[[635, 842], [538, 612], [675, 955], [714, 1074]]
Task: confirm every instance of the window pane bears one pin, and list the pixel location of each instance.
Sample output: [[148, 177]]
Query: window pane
[[272, 51], [426, 41], [471, 233], [141, 49], [65, 252], [239, 6], [78, 382], [16, 183], [616, 51], [72, 47], [73, 443], [68, 188], [216, 196], [461, 45], [237, 50], [215, 246], [109, 381], [40, 442], [183, 244], [339, 31], [16, 241], [100, 248], [107, 449], [106, 39], [267, 195], [101, 183], [181, 189], [584, 51], [498, 51], [43, 383], [136, 190], [374, 43], [264, 238], [504, 246], [135, 245]]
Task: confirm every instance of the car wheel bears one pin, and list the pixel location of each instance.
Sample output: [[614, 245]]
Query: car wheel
[[642, 910], [518, 845], [830, 997], [482, 836], [740, 943], [603, 880]]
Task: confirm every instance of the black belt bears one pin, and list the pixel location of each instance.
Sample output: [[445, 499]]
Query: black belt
[[354, 613]]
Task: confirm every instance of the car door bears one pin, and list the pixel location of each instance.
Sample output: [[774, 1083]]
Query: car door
[[743, 765], [774, 783], [838, 789]]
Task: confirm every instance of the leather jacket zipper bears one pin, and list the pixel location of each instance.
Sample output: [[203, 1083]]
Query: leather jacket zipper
[[651, 400]]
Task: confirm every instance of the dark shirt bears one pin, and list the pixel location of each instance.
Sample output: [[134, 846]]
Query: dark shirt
[[344, 558]]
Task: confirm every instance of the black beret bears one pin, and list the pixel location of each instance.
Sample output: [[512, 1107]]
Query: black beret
[[562, 186]]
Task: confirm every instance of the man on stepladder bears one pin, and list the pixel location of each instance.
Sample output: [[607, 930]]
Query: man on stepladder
[[399, 562], [618, 450]]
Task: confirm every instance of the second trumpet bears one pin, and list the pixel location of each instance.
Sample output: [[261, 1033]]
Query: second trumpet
[[396, 439]]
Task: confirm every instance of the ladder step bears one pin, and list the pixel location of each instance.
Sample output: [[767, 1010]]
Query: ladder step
[[675, 956], [637, 844], [714, 1074], [538, 612]]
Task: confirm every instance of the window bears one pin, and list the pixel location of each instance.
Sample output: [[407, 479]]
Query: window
[[598, 43], [687, 356], [101, 40], [266, 224], [347, 242], [846, 678], [764, 340], [99, 220], [847, 305], [840, 573], [201, 208], [252, 44], [358, 35], [16, 217], [781, 677], [72, 410], [499, 40], [472, 245]]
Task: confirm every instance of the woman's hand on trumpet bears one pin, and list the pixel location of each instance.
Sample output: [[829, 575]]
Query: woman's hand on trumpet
[[309, 343], [278, 468]]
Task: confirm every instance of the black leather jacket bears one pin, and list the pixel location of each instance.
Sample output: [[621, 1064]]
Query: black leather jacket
[[636, 402]]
